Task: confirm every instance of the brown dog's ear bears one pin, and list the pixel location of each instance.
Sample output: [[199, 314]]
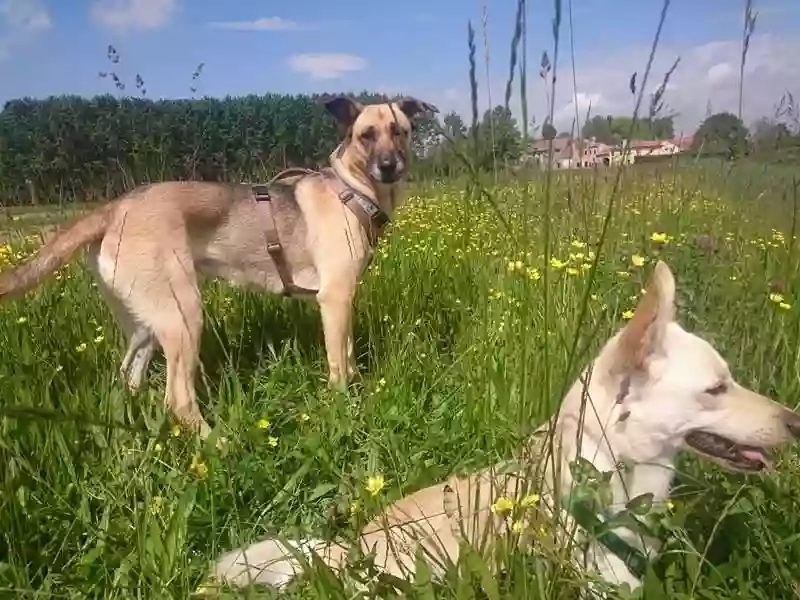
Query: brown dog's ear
[[411, 107], [644, 333], [345, 110]]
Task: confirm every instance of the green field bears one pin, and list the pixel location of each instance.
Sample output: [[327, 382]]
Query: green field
[[465, 328]]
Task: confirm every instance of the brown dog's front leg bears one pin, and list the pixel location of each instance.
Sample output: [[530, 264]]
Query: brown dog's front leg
[[352, 367], [335, 309]]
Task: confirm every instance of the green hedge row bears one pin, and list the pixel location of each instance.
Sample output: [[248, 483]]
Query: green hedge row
[[71, 148]]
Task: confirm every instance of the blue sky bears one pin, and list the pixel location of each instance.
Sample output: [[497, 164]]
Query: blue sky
[[415, 47]]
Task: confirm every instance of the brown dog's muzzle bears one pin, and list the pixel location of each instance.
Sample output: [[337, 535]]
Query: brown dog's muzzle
[[388, 166]]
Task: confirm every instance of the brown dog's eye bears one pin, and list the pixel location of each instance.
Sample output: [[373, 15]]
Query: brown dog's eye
[[396, 130], [368, 134], [717, 390]]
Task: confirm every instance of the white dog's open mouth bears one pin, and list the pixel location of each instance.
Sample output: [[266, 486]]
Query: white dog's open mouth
[[738, 456]]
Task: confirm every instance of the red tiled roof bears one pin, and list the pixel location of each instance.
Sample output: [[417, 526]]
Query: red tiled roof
[[645, 144]]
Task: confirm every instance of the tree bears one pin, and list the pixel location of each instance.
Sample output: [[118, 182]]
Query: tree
[[454, 125], [722, 134], [770, 135], [599, 127], [612, 130], [549, 132], [498, 132]]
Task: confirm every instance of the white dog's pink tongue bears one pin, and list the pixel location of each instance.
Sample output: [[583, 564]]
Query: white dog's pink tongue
[[757, 456]]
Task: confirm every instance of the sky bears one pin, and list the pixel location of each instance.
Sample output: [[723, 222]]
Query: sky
[[414, 47]]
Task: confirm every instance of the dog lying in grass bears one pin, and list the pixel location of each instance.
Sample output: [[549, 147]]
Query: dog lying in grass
[[653, 389]]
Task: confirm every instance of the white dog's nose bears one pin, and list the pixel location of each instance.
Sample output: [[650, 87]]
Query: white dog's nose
[[793, 423]]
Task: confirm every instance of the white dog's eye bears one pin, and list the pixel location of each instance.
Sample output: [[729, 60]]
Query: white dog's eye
[[717, 390]]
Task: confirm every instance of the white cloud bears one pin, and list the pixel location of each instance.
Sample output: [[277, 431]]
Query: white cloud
[[326, 66], [720, 72], [708, 74], [131, 15], [265, 24], [584, 102], [20, 22]]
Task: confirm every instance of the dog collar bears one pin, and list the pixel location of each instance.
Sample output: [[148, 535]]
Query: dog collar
[[633, 558], [369, 214]]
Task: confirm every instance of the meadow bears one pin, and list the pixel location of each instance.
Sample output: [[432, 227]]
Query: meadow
[[473, 317]]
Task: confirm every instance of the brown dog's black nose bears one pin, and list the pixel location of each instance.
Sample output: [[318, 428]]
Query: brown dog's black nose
[[387, 162]]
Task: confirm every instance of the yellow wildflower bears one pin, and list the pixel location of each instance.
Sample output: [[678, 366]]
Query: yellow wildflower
[[99, 339], [571, 271], [658, 237], [21, 320], [533, 273], [80, 347], [637, 260], [785, 305], [628, 314], [198, 467], [375, 484], [557, 264], [272, 441], [578, 244], [155, 504], [530, 500], [502, 505], [776, 298], [304, 418], [263, 424], [176, 430]]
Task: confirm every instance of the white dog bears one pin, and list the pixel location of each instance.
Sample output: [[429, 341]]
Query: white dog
[[653, 389]]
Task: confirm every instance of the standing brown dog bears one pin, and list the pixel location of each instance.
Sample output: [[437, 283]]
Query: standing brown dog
[[304, 233]]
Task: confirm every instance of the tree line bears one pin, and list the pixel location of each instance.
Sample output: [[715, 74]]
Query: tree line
[[69, 148]]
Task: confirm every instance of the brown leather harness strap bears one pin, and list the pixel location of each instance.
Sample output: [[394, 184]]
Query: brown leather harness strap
[[274, 246], [372, 219]]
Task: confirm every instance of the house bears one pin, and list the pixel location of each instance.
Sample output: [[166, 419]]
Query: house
[[570, 153], [653, 148]]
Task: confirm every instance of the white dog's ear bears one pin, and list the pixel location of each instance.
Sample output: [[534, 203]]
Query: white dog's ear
[[644, 333]]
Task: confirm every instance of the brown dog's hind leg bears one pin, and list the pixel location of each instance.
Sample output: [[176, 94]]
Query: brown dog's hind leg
[[177, 322], [156, 285]]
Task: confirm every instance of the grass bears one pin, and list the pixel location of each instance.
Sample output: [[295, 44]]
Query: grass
[[102, 497]]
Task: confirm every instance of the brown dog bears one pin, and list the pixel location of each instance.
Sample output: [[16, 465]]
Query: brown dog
[[304, 233]]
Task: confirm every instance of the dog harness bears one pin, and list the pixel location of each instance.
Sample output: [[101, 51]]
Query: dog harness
[[370, 216], [633, 558]]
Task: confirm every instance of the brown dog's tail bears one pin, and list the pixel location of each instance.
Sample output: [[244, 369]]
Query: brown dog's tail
[[55, 252]]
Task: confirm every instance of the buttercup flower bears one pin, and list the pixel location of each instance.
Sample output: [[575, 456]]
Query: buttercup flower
[[776, 298], [637, 261], [660, 238], [375, 484], [502, 505], [198, 467], [262, 424]]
